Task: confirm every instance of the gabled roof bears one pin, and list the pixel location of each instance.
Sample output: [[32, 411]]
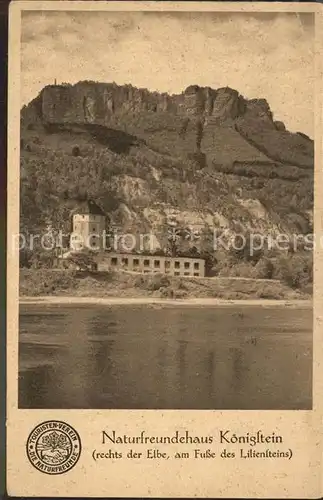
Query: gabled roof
[[89, 207]]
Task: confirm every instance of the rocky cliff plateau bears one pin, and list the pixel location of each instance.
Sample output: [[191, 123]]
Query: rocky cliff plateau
[[203, 158]]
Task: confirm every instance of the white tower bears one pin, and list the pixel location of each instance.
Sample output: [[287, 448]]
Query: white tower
[[88, 227]]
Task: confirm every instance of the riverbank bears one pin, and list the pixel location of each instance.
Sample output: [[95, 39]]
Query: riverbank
[[150, 288], [69, 300]]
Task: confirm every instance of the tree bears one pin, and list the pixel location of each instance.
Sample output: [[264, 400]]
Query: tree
[[206, 240], [84, 260], [295, 270], [76, 151], [247, 247], [25, 258], [264, 269], [54, 441]]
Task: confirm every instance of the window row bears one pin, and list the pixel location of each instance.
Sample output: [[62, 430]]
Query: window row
[[153, 263], [176, 273]]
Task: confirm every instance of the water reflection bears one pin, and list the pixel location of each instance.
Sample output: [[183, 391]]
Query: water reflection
[[141, 357]]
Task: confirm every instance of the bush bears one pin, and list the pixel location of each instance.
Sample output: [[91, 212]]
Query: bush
[[84, 259], [152, 283], [269, 292], [295, 271], [181, 285], [76, 151], [239, 270], [46, 281], [264, 269], [157, 281], [41, 260], [139, 282], [171, 293]]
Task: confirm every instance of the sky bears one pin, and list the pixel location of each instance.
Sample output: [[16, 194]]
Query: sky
[[262, 55]]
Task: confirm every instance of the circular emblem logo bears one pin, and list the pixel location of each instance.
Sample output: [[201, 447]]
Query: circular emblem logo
[[53, 447]]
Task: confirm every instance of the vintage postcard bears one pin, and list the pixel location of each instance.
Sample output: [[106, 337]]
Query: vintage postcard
[[165, 274]]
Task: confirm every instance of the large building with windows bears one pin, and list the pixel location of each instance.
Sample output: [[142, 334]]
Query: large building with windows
[[88, 231], [174, 266]]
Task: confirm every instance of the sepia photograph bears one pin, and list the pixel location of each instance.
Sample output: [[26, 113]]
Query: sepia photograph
[[166, 201]]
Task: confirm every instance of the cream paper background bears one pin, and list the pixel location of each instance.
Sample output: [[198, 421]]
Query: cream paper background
[[300, 477]]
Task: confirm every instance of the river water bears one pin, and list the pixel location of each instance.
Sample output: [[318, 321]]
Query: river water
[[175, 357]]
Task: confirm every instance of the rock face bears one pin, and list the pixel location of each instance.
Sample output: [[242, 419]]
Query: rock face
[[208, 157], [219, 123], [97, 102]]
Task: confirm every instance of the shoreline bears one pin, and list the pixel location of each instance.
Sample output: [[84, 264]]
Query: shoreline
[[109, 301]]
